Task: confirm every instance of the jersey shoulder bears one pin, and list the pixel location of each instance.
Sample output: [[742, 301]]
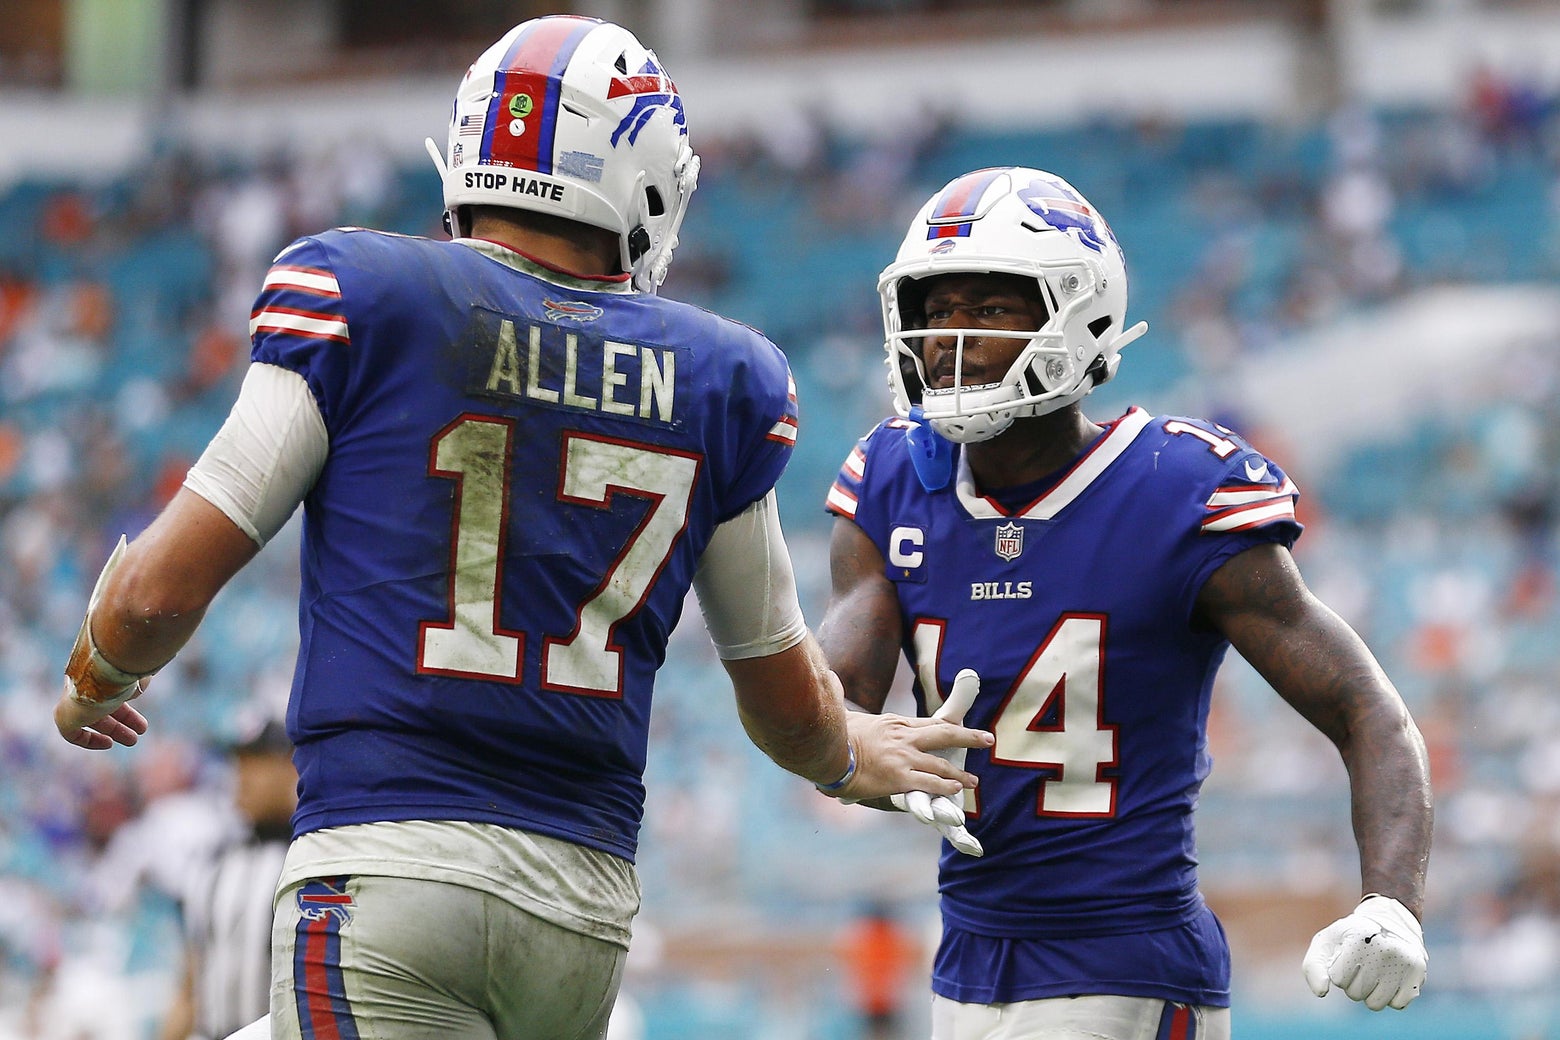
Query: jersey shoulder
[[350, 239], [1239, 487], [736, 362], [353, 246], [887, 440], [888, 448], [724, 337], [309, 274], [1197, 448]]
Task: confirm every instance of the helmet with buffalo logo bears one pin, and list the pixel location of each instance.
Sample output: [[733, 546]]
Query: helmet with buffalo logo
[[574, 117], [1012, 221]]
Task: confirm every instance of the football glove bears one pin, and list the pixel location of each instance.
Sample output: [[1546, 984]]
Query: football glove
[[940, 811], [1376, 954]]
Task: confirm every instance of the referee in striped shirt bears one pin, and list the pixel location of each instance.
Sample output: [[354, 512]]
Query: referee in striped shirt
[[227, 909]]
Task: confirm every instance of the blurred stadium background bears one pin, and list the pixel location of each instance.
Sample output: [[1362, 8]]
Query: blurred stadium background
[[1341, 218]]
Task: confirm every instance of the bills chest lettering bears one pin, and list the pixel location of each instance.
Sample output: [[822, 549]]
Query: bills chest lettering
[[1007, 543]]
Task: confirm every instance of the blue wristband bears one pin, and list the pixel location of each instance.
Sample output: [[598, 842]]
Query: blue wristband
[[850, 771]]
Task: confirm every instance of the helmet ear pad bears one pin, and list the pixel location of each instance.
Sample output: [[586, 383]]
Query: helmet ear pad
[[638, 243]]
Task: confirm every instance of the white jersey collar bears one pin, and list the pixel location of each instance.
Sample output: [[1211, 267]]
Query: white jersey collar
[[521, 262], [1083, 473]]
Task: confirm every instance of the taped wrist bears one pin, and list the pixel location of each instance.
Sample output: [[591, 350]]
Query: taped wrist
[[94, 680]]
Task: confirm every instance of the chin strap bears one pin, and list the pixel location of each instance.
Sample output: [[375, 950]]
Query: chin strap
[[930, 452]]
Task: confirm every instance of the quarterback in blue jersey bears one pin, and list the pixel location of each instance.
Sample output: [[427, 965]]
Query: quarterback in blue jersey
[[515, 460], [1075, 585]]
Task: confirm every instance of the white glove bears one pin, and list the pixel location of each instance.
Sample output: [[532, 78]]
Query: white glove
[[940, 811], [1376, 954]]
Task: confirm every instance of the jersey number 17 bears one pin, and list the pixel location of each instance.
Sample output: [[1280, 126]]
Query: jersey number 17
[[474, 451]]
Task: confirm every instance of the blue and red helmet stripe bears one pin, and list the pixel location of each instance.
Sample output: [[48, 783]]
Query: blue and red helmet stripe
[[959, 199], [533, 67]]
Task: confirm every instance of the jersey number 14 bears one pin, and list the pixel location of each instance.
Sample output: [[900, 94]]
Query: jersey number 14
[[1053, 717]]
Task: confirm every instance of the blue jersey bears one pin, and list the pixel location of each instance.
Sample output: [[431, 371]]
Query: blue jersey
[[524, 469], [1075, 605]]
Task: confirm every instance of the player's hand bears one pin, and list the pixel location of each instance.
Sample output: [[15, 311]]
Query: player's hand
[[94, 711], [897, 755], [941, 811], [1376, 954], [92, 727]]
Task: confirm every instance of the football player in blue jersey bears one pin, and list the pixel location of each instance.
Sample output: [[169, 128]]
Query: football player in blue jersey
[[514, 460], [1072, 586]]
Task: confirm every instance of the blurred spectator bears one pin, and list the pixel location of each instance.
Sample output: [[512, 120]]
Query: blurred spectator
[[67, 219], [226, 907], [216, 352], [881, 957]]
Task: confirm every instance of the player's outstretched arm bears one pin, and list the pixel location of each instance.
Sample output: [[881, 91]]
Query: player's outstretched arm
[[792, 709], [860, 637], [1319, 665], [148, 603], [788, 698]]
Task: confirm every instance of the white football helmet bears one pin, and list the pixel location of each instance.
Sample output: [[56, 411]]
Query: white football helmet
[[1015, 221], [574, 117]]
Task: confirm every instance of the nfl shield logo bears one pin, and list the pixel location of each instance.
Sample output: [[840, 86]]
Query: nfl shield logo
[[1010, 541]]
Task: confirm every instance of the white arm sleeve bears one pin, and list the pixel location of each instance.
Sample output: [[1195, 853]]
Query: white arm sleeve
[[267, 455], [746, 589]]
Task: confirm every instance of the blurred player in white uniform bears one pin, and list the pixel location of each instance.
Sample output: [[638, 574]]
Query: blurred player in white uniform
[[1076, 584], [515, 460]]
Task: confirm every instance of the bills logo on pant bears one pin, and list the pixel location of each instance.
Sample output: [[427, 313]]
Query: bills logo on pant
[[319, 984], [325, 898]]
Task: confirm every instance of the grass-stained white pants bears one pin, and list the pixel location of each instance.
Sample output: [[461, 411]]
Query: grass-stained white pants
[[363, 957]]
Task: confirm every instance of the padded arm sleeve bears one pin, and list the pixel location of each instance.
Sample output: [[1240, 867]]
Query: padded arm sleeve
[[746, 589], [268, 454]]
